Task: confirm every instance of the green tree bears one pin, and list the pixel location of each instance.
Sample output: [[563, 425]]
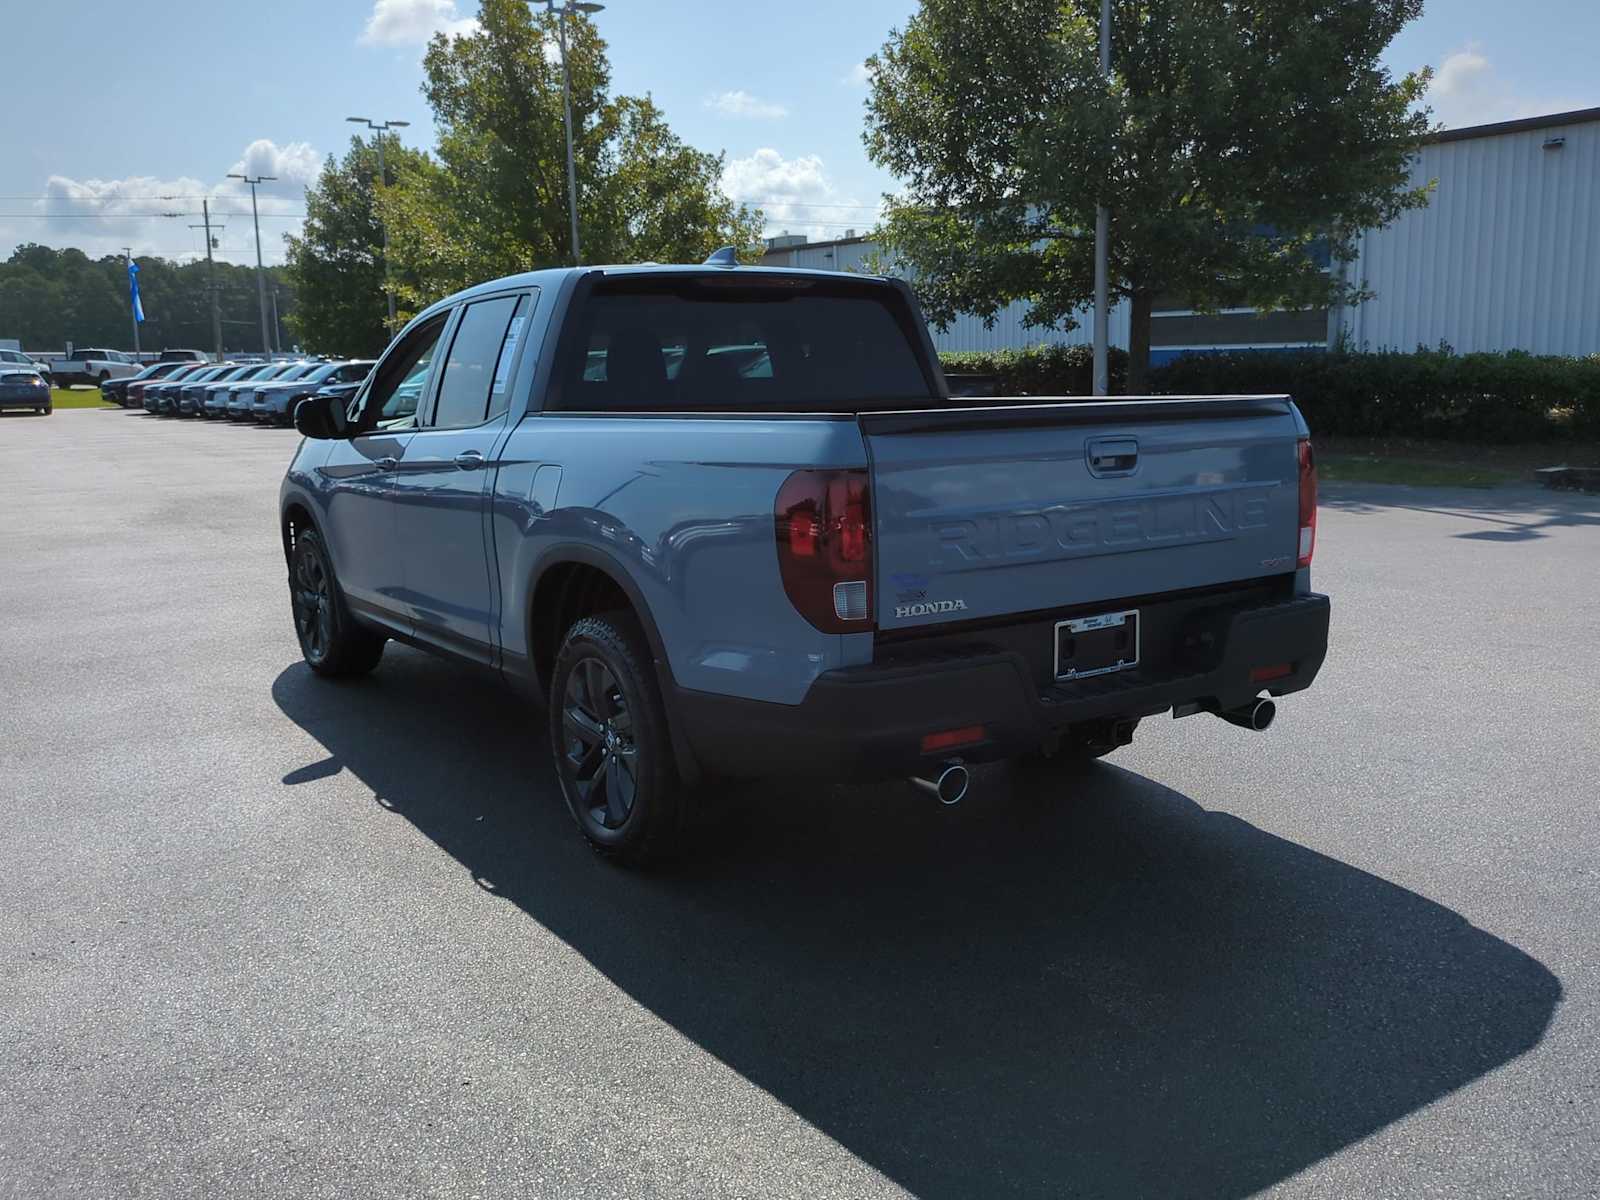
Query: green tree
[[1236, 144], [336, 261], [495, 202], [51, 297]]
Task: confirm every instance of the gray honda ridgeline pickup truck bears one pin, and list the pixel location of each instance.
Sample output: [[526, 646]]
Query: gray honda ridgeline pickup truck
[[727, 521]]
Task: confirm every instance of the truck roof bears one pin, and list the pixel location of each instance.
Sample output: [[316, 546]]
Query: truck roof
[[553, 276]]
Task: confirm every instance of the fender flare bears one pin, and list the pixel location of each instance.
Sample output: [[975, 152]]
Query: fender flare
[[297, 496], [563, 554]]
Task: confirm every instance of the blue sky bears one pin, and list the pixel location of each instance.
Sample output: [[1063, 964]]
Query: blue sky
[[167, 106]]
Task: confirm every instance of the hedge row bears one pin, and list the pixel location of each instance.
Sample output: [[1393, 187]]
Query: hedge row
[[1428, 393], [1039, 371]]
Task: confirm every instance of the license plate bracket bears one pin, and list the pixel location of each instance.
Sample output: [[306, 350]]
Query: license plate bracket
[[1097, 645]]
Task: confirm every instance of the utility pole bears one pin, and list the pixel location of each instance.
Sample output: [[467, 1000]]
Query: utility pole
[[1102, 238], [380, 128], [277, 326], [127, 254], [211, 278], [261, 271]]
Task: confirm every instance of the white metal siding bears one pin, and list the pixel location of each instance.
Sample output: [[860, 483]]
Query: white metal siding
[[1009, 333], [966, 332], [1505, 257]]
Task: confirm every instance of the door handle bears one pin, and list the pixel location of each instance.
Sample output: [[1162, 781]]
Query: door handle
[[467, 460], [386, 464]]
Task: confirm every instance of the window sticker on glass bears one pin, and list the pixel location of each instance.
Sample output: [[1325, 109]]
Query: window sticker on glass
[[508, 352]]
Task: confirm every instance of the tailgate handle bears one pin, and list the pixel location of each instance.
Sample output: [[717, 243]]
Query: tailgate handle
[[1113, 456]]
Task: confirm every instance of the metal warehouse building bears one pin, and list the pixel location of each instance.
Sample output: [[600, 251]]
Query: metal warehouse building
[[1505, 257]]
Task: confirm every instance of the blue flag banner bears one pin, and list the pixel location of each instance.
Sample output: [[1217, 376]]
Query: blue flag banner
[[133, 290]]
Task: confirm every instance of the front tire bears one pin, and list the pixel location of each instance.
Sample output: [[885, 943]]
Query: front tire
[[331, 641], [608, 733]]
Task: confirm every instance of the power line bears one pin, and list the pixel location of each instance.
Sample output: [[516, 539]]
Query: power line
[[137, 215], [806, 203]]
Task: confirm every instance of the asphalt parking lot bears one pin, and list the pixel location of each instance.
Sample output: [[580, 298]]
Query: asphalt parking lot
[[266, 935]]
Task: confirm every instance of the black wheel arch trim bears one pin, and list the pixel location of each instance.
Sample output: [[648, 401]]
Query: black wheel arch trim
[[296, 497]]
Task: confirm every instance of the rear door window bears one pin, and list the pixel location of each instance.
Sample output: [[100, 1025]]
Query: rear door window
[[476, 372]]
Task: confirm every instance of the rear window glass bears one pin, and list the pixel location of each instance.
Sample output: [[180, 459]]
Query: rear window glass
[[720, 345]]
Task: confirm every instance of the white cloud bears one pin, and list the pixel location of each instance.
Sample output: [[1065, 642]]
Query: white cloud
[[413, 22], [795, 194], [743, 104], [1468, 90], [297, 163], [857, 76], [153, 215]]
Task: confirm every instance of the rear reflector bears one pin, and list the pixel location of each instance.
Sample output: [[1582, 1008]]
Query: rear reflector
[[1276, 671], [1308, 503], [951, 738], [850, 600]]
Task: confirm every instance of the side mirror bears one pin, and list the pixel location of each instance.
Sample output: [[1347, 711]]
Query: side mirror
[[321, 417]]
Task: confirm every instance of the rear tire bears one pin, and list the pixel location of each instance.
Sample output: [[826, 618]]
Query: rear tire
[[608, 734], [331, 641]]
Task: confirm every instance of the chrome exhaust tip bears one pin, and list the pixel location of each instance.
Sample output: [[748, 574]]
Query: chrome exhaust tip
[[1257, 715], [950, 787]]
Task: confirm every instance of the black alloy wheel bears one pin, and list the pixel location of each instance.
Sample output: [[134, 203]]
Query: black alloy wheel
[[599, 759], [612, 745], [311, 597], [330, 639]]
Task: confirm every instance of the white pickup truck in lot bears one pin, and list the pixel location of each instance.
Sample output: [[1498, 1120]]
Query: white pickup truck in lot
[[93, 366]]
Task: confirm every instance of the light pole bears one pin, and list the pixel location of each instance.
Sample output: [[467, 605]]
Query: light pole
[[380, 128], [566, 100], [1102, 239], [261, 271]]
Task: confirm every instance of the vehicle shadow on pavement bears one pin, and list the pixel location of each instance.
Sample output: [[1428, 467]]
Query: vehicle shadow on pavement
[[1085, 985], [1516, 516]]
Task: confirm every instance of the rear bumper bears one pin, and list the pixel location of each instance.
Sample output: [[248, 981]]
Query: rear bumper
[[868, 722]]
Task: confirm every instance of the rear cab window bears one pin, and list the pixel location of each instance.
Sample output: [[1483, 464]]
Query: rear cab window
[[773, 343]]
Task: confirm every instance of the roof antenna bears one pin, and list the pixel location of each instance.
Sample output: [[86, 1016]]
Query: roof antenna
[[725, 257]]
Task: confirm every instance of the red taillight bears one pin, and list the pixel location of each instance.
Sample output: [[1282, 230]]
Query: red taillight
[[1308, 503], [1267, 674], [824, 530]]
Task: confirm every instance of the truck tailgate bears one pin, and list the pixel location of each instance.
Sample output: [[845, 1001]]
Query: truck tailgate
[[1030, 507]]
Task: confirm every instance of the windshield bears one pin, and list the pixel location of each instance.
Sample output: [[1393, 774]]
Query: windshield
[[322, 372]]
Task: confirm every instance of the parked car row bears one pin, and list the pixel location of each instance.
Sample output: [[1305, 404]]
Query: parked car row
[[263, 392]]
